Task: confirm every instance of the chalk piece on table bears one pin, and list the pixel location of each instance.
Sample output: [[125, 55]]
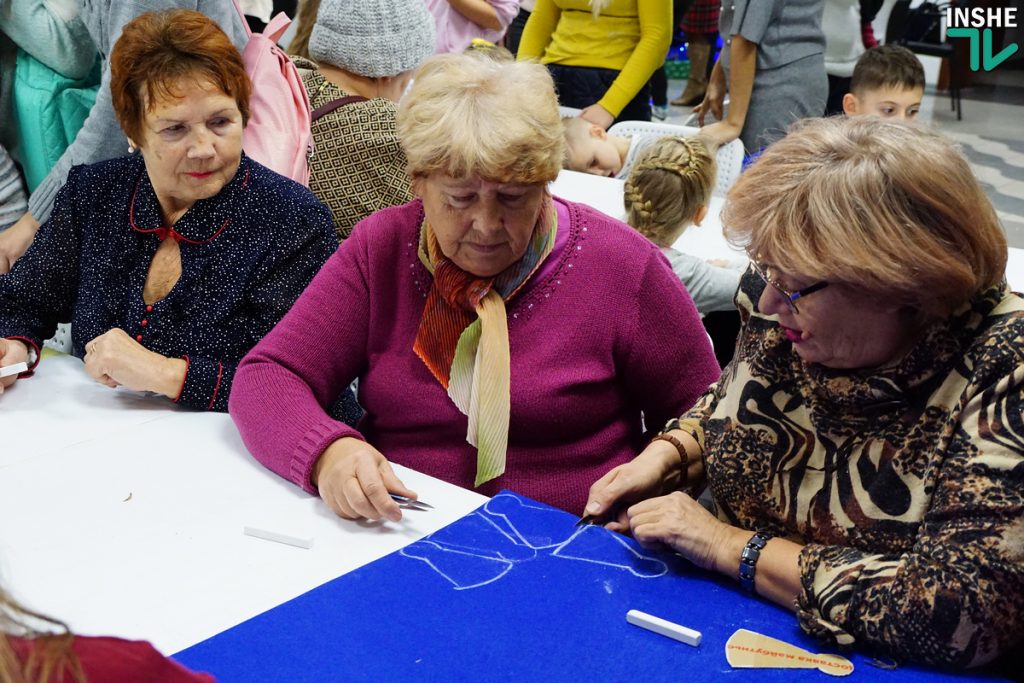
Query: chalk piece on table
[[276, 537], [663, 627], [15, 369]]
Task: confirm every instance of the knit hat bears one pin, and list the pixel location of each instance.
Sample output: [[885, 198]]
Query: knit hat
[[372, 38]]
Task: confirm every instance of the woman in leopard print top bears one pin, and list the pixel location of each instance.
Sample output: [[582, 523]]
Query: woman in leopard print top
[[871, 421]]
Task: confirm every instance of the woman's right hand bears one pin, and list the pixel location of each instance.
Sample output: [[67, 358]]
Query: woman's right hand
[[356, 481], [714, 97], [641, 478], [11, 351]]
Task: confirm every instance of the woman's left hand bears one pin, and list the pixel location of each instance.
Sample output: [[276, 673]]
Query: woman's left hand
[[681, 523], [115, 359], [598, 115]]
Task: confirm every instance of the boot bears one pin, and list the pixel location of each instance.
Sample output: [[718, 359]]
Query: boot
[[699, 52]]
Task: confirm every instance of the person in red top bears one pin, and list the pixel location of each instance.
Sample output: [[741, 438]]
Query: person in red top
[[28, 655]]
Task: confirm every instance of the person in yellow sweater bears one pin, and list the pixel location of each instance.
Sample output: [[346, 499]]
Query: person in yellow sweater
[[601, 53]]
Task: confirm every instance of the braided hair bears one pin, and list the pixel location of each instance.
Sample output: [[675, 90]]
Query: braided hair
[[669, 183]]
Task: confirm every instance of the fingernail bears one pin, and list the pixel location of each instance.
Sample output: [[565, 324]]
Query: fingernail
[[594, 507]]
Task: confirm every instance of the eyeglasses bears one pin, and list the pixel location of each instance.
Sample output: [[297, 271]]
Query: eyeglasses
[[789, 296]]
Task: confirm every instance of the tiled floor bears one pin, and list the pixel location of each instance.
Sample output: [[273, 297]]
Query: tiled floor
[[991, 134]]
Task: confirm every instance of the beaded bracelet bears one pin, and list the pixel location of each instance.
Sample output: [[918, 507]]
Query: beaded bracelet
[[683, 458], [749, 557]]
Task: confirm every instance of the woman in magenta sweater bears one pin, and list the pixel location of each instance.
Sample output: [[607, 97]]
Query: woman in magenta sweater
[[501, 338]]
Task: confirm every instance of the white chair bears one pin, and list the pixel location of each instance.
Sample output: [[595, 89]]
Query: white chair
[[61, 339], [729, 158]]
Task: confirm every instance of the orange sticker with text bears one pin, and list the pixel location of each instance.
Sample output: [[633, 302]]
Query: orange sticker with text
[[749, 650]]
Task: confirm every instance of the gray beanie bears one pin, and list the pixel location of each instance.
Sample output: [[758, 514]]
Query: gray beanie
[[372, 38]]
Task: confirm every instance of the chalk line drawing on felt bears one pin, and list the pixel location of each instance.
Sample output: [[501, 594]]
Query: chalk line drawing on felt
[[481, 534], [484, 546], [463, 570], [598, 545], [533, 525]]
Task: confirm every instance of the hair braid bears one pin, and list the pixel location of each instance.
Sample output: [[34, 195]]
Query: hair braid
[[641, 208], [668, 185]]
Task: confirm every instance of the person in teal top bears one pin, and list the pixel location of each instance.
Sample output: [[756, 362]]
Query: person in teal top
[[52, 32], [100, 137]]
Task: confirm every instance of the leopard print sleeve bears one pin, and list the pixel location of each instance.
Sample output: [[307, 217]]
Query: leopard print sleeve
[[955, 597]]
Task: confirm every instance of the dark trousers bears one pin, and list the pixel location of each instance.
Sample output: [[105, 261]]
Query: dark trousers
[[286, 6], [869, 10], [659, 87], [582, 86], [515, 31], [837, 88], [659, 80]]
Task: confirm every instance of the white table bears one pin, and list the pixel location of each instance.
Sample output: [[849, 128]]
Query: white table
[[122, 514], [600, 192], [706, 240]]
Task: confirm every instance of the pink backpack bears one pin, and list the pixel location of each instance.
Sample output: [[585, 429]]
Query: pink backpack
[[278, 133]]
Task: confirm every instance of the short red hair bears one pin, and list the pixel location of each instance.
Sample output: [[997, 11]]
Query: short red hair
[[158, 49]]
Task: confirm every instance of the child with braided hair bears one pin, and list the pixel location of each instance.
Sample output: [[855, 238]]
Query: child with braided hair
[[668, 189]]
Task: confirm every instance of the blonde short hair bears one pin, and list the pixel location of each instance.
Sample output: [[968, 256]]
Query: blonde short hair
[[576, 132], [890, 208], [670, 181], [469, 115], [479, 47]]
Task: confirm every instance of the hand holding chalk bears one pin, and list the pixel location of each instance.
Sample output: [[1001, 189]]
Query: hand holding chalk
[[13, 361], [13, 370]]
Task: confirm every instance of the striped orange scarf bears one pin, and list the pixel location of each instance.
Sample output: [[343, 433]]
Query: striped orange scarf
[[463, 337]]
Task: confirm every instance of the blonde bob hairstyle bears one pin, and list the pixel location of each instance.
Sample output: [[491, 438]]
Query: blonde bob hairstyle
[[888, 208], [469, 115]]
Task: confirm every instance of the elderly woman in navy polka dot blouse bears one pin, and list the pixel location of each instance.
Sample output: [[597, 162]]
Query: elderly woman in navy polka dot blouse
[[172, 263]]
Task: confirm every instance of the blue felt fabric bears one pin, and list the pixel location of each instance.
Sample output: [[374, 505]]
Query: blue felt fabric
[[511, 592]]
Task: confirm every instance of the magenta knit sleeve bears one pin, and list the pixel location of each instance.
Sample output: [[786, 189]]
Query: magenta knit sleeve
[[283, 385], [670, 363]]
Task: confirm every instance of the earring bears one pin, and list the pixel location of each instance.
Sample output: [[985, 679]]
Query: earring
[[131, 147]]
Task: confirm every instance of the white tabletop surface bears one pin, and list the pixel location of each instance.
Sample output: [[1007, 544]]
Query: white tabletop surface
[[705, 240], [123, 515]]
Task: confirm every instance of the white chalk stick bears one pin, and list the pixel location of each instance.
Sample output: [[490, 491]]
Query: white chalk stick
[[15, 369], [276, 537], [663, 627]]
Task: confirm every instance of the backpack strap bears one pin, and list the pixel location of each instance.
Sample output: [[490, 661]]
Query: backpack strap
[[325, 109]]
